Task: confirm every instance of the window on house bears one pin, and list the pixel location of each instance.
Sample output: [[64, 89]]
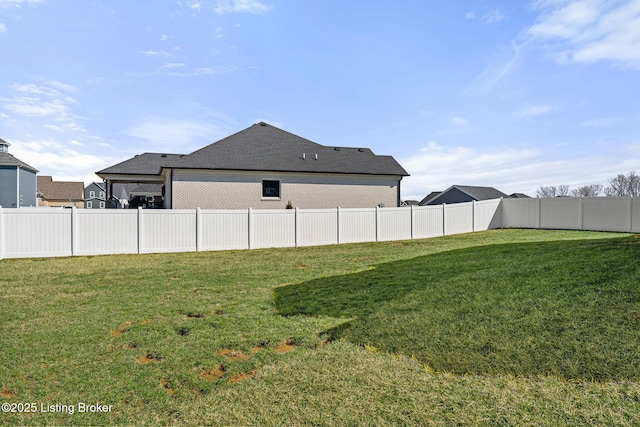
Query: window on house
[[102, 194], [270, 188], [92, 194], [101, 205], [89, 205]]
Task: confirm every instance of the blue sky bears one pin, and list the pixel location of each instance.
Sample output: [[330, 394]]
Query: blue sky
[[510, 94]]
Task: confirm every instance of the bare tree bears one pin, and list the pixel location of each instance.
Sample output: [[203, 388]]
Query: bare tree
[[624, 185], [592, 190], [553, 191]]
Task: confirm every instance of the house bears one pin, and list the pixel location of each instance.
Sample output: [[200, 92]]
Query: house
[[461, 194], [17, 180], [265, 167], [95, 196], [59, 193]]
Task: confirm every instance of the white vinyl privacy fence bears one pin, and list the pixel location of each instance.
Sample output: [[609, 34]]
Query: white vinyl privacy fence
[[29, 233]]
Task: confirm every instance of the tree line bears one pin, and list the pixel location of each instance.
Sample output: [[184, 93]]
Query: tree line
[[619, 186]]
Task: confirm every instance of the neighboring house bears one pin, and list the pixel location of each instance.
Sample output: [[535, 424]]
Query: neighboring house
[[139, 195], [265, 167], [59, 193], [519, 196], [95, 196], [461, 194], [409, 203], [17, 180]]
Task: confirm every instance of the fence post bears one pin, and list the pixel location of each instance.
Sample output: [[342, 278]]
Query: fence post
[[1, 234], [539, 213], [338, 229], [444, 219], [630, 216], [74, 231], [198, 229], [473, 216], [140, 230], [412, 225], [377, 223], [249, 228], [296, 226]]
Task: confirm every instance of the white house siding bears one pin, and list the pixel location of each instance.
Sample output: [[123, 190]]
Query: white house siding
[[241, 190]]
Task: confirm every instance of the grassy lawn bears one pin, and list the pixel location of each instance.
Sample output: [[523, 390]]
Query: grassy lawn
[[519, 327]]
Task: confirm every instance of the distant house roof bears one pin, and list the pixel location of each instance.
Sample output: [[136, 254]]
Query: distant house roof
[[470, 192], [59, 190], [263, 147], [7, 159], [429, 197], [519, 196]]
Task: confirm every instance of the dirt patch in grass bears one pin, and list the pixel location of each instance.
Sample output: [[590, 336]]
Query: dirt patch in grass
[[148, 358], [130, 346], [7, 393], [233, 354], [124, 327], [285, 346], [167, 387], [243, 376], [212, 375]]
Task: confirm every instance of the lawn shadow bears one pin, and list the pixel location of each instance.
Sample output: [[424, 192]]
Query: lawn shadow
[[567, 309]]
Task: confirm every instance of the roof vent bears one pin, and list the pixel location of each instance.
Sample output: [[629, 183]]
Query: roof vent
[[315, 157], [262, 124], [304, 156], [361, 150], [336, 148], [163, 155]]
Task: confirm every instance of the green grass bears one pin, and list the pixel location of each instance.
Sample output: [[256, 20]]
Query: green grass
[[517, 327]]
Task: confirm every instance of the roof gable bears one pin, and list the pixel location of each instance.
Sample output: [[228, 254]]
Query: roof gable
[[7, 159], [472, 192]]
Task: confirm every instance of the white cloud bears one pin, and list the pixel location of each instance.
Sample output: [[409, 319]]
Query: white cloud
[[458, 121], [470, 15], [535, 110], [590, 30], [492, 17], [51, 157], [18, 3], [498, 68], [241, 6], [510, 169], [177, 135], [165, 37], [3, 28]]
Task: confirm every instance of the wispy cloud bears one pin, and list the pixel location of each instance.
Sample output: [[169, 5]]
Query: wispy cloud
[[470, 15], [509, 169], [3, 28], [18, 3], [241, 6], [177, 135], [534, 110], [499, 67], [590, 30], [39, 101], [492, 17]]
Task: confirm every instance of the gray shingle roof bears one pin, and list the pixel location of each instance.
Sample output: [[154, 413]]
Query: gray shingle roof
[[142, 164], [474, 193], [263, 147]]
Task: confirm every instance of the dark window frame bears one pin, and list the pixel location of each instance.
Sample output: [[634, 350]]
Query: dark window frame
[[271, 189]]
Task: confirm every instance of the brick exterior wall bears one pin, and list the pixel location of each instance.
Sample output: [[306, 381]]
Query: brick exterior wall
[[241, 190]]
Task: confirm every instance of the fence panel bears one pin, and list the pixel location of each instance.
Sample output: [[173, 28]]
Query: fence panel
[[357, 225], [317, 227], [35, 233], [607, 214], [488, 215], [224, 229], [635, 214], [520, 213], [428, 221], [564, 213], [458, 218], [101, 232], [273, 228], [394, 223], [168, 230]]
